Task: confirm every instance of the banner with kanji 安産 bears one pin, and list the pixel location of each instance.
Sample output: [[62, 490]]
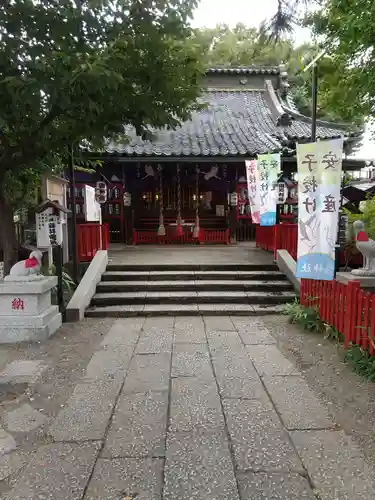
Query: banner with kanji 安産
[[252, 176], [319, 184], [269, 170]]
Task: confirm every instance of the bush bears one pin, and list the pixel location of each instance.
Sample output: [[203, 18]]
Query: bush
[[361, 362], [306, 317]]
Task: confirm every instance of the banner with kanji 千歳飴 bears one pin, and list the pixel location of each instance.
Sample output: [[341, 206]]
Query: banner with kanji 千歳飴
[[252, 176], [269, 170], [319, 185]]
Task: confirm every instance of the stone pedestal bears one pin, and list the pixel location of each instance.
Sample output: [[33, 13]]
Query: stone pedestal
[[26, 313], [366, 282]]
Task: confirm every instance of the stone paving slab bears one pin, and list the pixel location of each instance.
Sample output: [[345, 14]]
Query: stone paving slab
[[172, 295], [159, 324], [7, 442], [241, 388], [138, 427], [207, 308], [199, 466], [213, 323], [191, 360], [224, 340], [123, 332], [335, 465], [22, 372], [155, 342], [12, 463], [297, 404], [258, 438], [126, 478], [268, 486], [254, 333], [269, 361], [59, 471], [234, 364], [148, 373], [170, 309], [87, 413], [109, 363], [189, 330], [195, 404], [24, 419]]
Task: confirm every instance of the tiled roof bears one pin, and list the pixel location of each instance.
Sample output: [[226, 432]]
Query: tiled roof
[[235, 123], [248, 70]]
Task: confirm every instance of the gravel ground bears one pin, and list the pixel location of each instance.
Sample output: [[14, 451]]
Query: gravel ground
[[350, 398]]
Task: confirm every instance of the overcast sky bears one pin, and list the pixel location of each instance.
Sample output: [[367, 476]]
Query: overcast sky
[[252, 12]]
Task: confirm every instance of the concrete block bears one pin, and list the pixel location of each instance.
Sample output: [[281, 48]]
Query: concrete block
[[199, 466], [138, 426], [7, 442], [335, 464], [269, 361], [58, 471], [24, 419], [11, 463], [287, 265], [26, 313], [366, 282], [297, 404], [85, 291], [258, 438], [22, 372], [87, 413], [268, 485], [138, 479]]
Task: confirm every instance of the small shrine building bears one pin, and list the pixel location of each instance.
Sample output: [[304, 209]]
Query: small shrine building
[[188, 176]]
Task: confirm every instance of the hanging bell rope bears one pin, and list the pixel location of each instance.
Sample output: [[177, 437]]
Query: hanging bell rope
[[161, 228], [178, 221], [196, 233]]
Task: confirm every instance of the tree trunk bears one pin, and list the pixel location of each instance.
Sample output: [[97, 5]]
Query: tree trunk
[[8, 240]]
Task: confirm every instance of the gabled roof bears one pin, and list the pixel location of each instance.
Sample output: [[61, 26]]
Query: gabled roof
[[236, 122]]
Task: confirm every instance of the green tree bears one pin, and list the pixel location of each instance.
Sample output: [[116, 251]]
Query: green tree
[[346, 29], [287, 16], [77, 72], [244, 46]]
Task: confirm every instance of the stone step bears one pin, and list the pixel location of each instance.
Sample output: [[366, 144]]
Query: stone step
[[186, 297], [191, 275], [190, 267], [183, 310], [193, 286]]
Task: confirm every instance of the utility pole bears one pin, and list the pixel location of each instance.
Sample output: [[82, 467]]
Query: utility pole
[[314, 99], [74, 214], [314, 91]]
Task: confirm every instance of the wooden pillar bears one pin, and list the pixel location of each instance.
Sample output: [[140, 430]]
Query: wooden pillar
[[233, 210], [129, 211]]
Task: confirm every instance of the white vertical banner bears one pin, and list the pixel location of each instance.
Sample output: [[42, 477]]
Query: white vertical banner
[[269, 170], [319, 186], [252, 176]]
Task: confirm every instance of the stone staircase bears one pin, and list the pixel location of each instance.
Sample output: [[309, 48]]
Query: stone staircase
[[190, 290]]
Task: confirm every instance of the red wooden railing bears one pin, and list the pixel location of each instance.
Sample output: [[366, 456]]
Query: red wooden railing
[[264, 237], [285, 238], [347, 308], [209, 236], [88, 240], [278, 237]]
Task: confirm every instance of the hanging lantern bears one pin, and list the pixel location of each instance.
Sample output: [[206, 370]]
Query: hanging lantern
[[196, 233], [178, 221], [161, 228]]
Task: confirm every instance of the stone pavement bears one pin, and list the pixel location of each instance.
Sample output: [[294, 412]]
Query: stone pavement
[[182, 409], [241, 253]]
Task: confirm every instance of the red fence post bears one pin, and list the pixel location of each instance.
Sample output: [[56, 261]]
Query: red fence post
[[352, 289]]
